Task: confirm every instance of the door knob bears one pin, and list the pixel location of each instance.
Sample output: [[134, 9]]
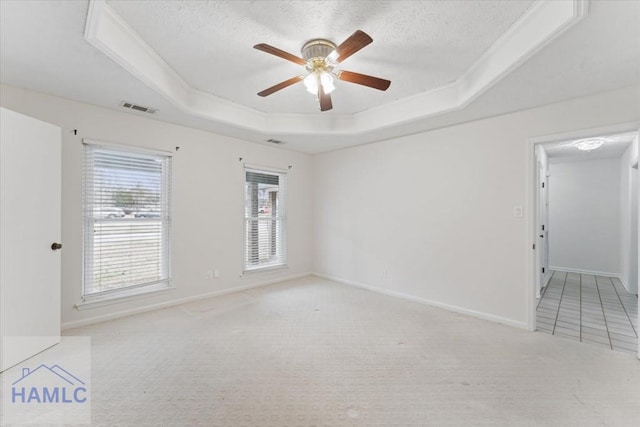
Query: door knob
[[542, 235], [56, 246]]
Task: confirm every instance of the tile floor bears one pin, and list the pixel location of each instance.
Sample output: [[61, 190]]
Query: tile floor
[[587, 308]]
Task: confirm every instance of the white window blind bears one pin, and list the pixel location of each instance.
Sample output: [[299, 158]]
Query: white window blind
[[126, 220], [265, 219]]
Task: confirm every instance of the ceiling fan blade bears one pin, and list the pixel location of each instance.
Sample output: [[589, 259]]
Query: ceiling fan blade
[[280, 53], [325, 99], [281, 85], [351, 45], [363, 79]]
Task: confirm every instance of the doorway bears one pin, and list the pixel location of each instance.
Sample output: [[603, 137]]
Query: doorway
[[586, 239]]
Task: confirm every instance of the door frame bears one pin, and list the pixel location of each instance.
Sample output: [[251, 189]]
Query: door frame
[[531, 197], [541, 246]]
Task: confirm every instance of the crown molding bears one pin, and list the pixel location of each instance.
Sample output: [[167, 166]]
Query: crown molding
[[542, 23]]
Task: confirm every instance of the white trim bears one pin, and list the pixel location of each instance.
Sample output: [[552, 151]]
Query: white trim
[[537, 27], [591, 272], [267, 269], [126, 147], [282, 241], [454, 308], [625, 284], [260, 168], [112, 35], [121, 295], [538, 248], [531, 235], [587, 133], [172, 303], [113, 296]]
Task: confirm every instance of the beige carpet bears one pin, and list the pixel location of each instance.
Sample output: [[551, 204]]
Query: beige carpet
[[312, 352]]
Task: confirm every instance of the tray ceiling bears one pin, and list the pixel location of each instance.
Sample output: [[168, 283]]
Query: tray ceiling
[[419, 46], [193, 61]]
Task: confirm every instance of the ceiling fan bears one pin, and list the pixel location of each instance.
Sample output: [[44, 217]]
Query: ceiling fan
[[319, 57]]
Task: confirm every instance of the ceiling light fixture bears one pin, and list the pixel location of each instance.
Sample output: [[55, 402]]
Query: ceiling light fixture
[[317, 53], [589, 144], [324, 78]]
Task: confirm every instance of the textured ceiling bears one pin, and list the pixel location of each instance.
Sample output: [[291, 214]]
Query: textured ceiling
[[418, 45], [42, 48]]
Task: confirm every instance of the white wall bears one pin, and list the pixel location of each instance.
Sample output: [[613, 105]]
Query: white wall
[[430, 216], [427, 215], [584, 215], [207, 199], [629, 219]]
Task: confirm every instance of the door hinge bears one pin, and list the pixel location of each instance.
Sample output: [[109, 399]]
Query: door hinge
[[543, 185], [542, 270], [534, 246], [542, 227]]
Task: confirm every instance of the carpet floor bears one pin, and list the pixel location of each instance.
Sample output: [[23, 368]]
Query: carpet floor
[[312, 352]]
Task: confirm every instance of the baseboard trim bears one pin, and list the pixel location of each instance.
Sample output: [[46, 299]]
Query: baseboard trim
[[172, 303], [592, 272], [454, 308], [624, 283], [595, 273]]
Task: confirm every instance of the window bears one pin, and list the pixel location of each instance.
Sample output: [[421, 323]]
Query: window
[[126, 221], [265, 219]]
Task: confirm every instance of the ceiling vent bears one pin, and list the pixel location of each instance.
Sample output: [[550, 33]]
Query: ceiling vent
[[275, 141], [131, 106]]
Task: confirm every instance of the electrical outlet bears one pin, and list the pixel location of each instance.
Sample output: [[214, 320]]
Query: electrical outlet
[[216, 273], [209, 275]]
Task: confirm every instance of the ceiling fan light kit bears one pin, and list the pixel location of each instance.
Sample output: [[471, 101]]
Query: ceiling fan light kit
[[319, 77], [319, 57]]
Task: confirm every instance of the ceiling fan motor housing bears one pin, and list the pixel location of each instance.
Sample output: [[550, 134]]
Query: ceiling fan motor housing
[[315, 53]]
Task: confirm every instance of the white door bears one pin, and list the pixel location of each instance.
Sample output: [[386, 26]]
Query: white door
[[30, 174]]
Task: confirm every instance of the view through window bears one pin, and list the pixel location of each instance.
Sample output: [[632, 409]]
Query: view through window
[[265, 219], [127, 222]]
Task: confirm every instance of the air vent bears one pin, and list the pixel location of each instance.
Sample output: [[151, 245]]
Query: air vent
[[275, 141], [130, 106]]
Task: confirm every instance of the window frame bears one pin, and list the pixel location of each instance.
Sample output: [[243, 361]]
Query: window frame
[[282, 220], [88, 221]]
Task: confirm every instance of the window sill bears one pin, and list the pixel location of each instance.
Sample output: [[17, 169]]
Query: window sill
[[124, 296], [265, 270]]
